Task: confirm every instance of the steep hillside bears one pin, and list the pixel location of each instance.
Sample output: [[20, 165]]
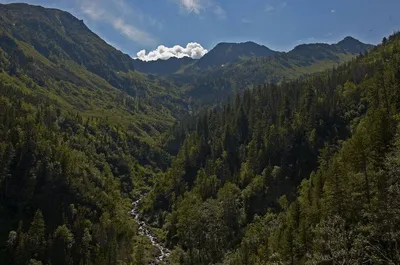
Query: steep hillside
[[305, 172], [58, 36], [299, 171], [78, 133], [72, 66], [67, 183]]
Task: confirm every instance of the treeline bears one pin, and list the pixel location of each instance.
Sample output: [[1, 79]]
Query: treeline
[[67, 183], [299, 173]]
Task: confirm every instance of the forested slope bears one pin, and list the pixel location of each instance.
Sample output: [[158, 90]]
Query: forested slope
[[68, 64], [66, 184], [75, 145], [305, 172], [217, 84]]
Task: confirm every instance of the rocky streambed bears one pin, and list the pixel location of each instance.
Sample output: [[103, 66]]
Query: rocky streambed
[[145, 231]]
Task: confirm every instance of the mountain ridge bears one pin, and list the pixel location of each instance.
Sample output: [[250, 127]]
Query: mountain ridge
[[292, 171], [217, 57], [217, 84], [80, 70], [225, 52], [64, 46]]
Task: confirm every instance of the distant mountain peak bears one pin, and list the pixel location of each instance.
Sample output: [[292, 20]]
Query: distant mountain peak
[[353, 45], [237, 43], [349, 39], [225, 52]]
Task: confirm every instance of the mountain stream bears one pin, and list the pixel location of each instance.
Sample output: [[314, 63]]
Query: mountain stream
[[145, 231]]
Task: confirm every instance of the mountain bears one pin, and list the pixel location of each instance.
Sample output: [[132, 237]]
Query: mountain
[[217, 84], [71, 65], [352, 45], [322, 51], [57, 35], [301, 172], [231, 67], [64, 58], [222, 53], [79, 135], [225, 53], [163, 67]]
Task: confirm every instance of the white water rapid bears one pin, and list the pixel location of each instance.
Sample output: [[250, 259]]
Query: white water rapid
[[145, 231]]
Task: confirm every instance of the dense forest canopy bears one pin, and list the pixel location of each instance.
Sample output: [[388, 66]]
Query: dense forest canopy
[[302, 171], [297, 173]]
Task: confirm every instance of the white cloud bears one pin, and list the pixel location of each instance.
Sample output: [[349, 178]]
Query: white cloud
[[199, 6], [333, 11], [269, 8], [192, 5], [220, 12], [116, 13], [193, 50], [92, 11], [131, 32]]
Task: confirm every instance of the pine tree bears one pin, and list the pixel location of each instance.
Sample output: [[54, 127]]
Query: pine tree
[[35, 238], [61, 247]]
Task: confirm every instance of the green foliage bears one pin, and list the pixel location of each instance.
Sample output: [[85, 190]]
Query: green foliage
[[304, 172], [230, 70], [308, 162], [35, 238], [75, 122], [66, 184], [54, 57]]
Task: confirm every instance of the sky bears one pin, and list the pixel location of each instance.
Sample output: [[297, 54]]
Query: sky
[[159, 29]]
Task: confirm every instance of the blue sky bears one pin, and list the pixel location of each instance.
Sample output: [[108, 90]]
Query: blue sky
[[133, 25]]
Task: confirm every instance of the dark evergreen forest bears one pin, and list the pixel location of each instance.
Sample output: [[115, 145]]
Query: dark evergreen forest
[[301, 171]]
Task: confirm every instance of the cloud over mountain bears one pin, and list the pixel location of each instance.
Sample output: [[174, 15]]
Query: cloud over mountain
[[193, 50]]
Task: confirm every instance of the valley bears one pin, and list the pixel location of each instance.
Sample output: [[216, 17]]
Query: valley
[[145, 231], [245, 156]]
